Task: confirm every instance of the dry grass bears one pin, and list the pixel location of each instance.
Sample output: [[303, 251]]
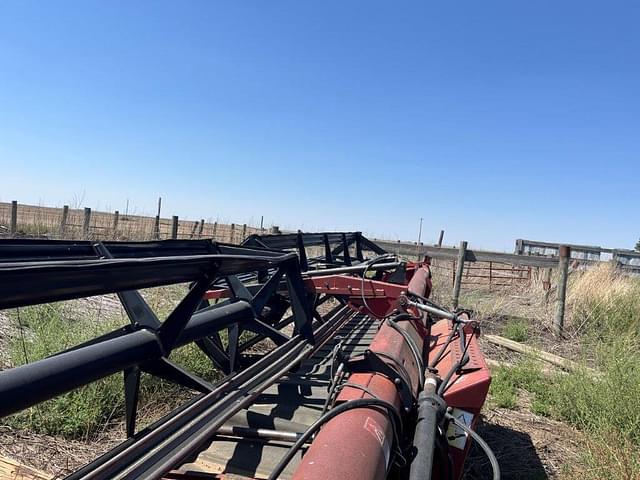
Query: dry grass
[[40, 221], [598, 296], [602, 327]]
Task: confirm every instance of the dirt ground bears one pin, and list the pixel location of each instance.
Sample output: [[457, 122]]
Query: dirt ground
[[527, 446], [56, 456]]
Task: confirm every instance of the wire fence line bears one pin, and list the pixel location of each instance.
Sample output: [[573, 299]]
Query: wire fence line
[[18, 220]]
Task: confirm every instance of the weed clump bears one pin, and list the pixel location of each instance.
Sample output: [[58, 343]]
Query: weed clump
[[516, 329]]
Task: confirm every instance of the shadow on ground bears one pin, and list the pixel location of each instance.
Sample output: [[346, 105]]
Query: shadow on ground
[[515, 451]]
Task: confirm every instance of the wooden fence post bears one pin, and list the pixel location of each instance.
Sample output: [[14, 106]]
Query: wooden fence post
[[13, 225], [546, 279], [63, 220], [201, 227], [490, 274], [440, 238], [116, 218], [453, 272], [244, 232], [462, 253], [193, 230], [174, 227], [156, 228], [233, 228], [215, 228], [86, 223], [563, 275]]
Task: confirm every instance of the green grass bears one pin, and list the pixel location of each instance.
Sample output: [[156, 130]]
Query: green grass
[[516, 329], [506, 381], [36, 228], [604, 406], [48, 329], [85, 412]]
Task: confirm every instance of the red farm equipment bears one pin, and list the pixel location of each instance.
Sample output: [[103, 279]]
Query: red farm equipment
[[333, 365]]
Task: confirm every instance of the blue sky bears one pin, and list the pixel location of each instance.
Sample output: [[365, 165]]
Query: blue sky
[[492, 120]]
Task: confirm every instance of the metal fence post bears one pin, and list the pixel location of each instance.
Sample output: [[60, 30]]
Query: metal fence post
[[63, 220], [86, 223], [563, 275], [174, 227], [462, 253]]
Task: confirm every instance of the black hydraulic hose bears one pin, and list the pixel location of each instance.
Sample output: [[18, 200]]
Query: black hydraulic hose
[[334, 412], [483, 445], [445, 463], [464, 345], [438, 356], [431, 410], [414, 350]]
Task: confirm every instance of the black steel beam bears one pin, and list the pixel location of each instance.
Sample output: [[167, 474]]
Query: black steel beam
[[34, 250], [29, 384], [42, 282]]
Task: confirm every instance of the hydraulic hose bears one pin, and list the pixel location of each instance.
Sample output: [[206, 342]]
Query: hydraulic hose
[[334, 412], [483, 445], [431, 410]]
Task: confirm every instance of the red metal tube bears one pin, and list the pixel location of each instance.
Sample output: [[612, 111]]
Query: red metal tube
[[420, 282], [356, 444]]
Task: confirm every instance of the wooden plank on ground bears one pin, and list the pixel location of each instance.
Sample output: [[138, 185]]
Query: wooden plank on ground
[[12, 470], [546, 356]]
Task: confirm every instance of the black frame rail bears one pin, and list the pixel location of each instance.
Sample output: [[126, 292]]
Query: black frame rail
[[336, 247]]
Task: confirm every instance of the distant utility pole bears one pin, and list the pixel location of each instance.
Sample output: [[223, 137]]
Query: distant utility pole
[[418, 243]]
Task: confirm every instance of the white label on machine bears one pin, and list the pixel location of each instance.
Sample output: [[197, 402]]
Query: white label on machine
[[376, 430], [455, 435]]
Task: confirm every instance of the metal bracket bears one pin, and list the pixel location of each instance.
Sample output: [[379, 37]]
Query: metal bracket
[[373, 362]]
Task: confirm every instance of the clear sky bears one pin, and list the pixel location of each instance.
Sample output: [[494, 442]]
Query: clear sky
[[492, 120]]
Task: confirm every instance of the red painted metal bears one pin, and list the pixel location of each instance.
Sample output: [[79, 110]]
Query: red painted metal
[[381, 297], [420, 281], [332, 453], [357, 444], [468, 390]]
